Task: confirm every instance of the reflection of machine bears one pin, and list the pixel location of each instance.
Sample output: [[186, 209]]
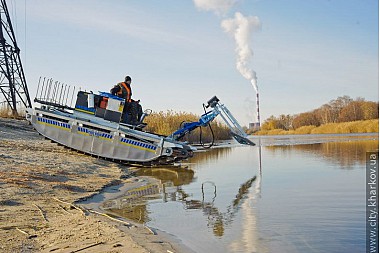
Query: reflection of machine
[[216, 219], [176, 176], [94, 127], [133, 205]]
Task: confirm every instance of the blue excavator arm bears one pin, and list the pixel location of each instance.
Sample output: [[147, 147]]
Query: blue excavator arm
[[217, 109]]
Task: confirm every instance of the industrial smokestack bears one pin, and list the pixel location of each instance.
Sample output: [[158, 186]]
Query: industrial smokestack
[[258, 110], [241, 28], [254, 84]]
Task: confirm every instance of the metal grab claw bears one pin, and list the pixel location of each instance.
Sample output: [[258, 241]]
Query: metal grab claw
[[242, 140], [217, 109]]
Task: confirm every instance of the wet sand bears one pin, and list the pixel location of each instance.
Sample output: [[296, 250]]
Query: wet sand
[[41, 184]]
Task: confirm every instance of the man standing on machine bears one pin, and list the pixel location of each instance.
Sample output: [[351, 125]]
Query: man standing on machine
[[132, 109]]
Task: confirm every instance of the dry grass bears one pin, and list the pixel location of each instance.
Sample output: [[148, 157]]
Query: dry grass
[[165, 123], [6, 112], [361, 126]]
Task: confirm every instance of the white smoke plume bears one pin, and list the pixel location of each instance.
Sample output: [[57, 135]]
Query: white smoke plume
[[241, 28], [217, 6]]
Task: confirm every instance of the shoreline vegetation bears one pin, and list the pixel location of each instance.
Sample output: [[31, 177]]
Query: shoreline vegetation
[[361, 126], [339, 116], [165, 123]]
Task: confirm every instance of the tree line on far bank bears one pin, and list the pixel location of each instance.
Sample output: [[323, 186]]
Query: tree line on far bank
[[342, 109]]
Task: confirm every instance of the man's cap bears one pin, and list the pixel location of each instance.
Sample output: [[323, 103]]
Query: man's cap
[[128, 78]]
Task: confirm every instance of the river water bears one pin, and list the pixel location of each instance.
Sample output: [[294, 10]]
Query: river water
[[287, 194]]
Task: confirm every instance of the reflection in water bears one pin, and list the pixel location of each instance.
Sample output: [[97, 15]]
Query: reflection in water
[[178, 176], [211, 155], [216, 219], [249, 239], [219, 205], [133, 205], [345, 154]]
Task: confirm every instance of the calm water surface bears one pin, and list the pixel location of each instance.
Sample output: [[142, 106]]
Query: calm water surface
[[290, 194]]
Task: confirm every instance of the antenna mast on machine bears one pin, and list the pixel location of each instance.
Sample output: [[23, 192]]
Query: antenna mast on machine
[[13, 88]]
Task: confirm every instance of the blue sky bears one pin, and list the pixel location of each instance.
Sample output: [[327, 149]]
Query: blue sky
[[305, 52]]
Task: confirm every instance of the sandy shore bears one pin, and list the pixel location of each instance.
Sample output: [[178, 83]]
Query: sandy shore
[[40, 181]]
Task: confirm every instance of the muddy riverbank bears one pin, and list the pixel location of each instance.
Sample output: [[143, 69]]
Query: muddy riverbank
[[40, 183]]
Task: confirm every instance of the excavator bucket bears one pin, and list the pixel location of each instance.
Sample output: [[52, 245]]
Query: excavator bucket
[[242, 140]]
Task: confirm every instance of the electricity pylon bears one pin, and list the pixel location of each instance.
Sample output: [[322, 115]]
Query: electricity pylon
[[13, 86]]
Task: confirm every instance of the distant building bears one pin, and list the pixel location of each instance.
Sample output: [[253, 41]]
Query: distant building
[[254, 126]]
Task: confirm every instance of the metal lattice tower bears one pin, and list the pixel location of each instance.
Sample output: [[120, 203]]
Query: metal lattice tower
[[13, 86]]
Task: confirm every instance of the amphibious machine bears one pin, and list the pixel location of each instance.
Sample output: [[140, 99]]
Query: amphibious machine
[[94, 126]]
